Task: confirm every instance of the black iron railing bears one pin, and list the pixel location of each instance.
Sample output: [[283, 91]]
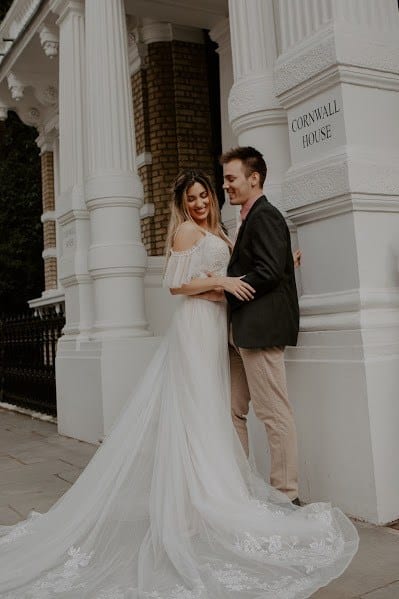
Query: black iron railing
[[27, 360]]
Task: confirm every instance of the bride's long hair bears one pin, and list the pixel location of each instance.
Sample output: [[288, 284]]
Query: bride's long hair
[[178, 208]]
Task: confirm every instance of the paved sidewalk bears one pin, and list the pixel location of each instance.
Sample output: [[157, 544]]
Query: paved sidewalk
[[37, 466]]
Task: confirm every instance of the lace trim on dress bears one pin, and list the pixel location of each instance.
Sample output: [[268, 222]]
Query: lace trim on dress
[[180, 592], [183, 266], [20, 529], [209, 255], [235, 579], [58, 581]]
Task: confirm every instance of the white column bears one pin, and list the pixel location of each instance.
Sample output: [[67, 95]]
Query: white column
[[338, 79], [72, 214], [114, 195], [79, 410], [256, 116], [114, 191]]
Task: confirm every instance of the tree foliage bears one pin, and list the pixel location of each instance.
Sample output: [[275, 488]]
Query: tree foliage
[[21, 238], [4, 6]]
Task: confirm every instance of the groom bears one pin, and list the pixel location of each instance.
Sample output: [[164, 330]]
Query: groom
[[261, 328]]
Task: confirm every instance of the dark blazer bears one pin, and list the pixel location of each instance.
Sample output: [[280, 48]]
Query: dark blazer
[[263, 254]]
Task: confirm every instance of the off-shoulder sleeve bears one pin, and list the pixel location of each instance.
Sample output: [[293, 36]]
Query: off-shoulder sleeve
[[181, 267]]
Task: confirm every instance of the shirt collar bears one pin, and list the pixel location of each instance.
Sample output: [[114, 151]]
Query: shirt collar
[[245, 208]]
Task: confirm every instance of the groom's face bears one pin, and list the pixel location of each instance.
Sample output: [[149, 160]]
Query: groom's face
[[238, 186]]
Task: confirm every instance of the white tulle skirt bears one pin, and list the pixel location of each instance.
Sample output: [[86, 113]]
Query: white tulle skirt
[[169, 507]]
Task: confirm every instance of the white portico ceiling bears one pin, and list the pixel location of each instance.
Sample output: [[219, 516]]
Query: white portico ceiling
[[192, 13]]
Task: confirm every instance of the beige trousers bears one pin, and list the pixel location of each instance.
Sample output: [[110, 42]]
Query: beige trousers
[[258, 375]]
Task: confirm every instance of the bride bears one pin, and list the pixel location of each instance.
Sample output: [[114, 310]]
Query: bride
[[169, 507]]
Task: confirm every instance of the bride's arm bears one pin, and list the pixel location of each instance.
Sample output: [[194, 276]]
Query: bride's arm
[[234, 285], [186, 238]]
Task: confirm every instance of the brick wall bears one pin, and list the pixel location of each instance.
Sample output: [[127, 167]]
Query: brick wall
[[171, 108], [48, 181], [49, 226]]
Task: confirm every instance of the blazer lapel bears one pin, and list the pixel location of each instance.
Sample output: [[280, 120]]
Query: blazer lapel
[[235, 253]]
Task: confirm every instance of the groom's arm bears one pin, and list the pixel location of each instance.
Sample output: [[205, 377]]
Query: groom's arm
[[269, 250]]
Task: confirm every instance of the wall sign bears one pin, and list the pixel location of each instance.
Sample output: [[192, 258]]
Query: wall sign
[[316, 126]]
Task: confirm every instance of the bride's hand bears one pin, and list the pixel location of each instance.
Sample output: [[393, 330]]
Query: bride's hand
[[239, 288]]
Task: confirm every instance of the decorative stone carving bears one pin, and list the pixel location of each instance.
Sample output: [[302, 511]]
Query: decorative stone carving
[[252, 95], [30, 116], [137, 51], [49, 40], [341, 184], [336, 48], [16, 87], [48, 95]]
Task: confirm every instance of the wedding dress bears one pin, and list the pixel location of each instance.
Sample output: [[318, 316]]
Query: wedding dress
[[169, 508]]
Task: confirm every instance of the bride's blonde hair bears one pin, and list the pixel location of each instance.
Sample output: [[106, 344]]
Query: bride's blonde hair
[[178, 209]]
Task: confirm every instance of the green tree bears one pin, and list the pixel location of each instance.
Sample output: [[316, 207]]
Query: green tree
[[21, 266], [4, 6]]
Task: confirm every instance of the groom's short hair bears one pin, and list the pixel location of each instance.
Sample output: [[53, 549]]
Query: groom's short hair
[[252, 160]]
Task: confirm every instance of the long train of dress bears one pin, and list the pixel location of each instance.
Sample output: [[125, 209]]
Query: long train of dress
[[169, 508]]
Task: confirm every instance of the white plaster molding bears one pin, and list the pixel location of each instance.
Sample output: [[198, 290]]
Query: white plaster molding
[[143, 159], [137, 51], [260, 118], [329, 49], [48, 216], [15, 20], [30, 116], [45, 141], [351, 309], [342, 205], [157, 31], [15, 86], [252, 94], [49, 253], [21, 14], [52, 123], [71, 216], [147, 210], [53, 298], [71, 281], [346, 181], [49, 40], [220, 34], [335, 75], [94, 203], [46, 94]]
